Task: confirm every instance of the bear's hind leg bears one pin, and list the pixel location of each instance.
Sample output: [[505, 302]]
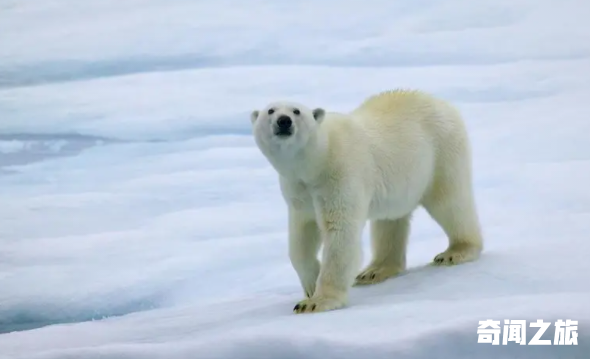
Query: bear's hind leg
[[389, 240], [454, 210]]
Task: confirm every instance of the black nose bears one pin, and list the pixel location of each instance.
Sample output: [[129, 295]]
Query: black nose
[[284, 122]]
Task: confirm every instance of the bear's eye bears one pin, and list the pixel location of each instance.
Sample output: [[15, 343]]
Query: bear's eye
[[271, 111], [296, 111]]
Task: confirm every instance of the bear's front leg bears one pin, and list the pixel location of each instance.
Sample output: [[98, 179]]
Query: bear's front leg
[[341, 228], [304, 245]]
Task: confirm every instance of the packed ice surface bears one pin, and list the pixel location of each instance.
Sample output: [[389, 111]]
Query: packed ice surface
[[139, 220]]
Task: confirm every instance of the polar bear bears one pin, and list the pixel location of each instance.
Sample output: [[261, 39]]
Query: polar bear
[[398, 150]]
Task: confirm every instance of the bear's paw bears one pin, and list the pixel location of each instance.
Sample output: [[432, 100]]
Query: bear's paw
[[457, 254], [376, 274], [318, 304]]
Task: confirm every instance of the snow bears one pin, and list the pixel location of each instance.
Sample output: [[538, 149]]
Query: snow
[[139, 220]]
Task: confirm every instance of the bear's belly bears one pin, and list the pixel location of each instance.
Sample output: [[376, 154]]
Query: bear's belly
[[390, 208], [391, 202], [382, 208]]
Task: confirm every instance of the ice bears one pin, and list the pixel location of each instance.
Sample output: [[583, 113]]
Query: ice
[[139, 220]]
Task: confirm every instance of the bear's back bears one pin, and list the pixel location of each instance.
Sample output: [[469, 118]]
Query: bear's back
[[406, 112]]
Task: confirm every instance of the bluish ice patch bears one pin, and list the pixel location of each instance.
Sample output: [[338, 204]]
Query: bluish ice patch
[[29, 319], [23, 148]]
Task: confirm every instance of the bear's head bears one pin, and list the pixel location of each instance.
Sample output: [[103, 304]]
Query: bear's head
[[285, 126]]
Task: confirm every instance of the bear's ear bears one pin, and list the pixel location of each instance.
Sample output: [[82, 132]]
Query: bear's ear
[[319, 114], [254, 116]]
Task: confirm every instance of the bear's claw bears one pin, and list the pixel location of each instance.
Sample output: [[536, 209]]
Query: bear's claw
[[313, 305], [373, 275], [457, 254]]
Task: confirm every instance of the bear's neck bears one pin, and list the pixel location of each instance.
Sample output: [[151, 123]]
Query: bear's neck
[[306, 164]]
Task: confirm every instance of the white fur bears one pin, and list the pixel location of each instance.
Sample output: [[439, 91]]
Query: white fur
[[396, 151]]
